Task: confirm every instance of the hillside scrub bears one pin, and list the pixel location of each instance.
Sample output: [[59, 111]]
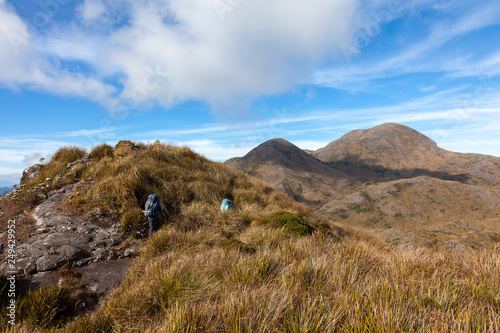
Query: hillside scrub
[[192, 282], [287, 221], [207, 271], [190, 187]]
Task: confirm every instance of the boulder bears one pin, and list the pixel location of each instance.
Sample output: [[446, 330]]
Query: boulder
[[82, 161], [30, 173]]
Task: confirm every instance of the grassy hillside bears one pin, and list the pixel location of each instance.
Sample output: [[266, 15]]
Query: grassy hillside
[[423, 210], [271, 265]]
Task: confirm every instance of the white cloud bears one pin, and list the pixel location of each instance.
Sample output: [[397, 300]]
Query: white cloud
[[7, 178], [14, 43], [34, 158], [310, 144], [92, 9], [184, 50], [24, 64], [103, 133], [166, 52], [18, 154]]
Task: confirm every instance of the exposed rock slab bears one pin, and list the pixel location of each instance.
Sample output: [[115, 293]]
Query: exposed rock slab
[[95, 249]]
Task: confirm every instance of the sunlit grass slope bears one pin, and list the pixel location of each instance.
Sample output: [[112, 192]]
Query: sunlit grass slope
[[271, 265]]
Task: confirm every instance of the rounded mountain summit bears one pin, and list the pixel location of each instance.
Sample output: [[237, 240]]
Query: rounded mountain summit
[[389, 146]]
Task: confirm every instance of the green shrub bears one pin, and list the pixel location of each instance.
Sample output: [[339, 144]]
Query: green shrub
[[289, 221]]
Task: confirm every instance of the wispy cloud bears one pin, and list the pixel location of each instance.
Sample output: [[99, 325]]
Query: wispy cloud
[[103, 133], [17, 154], [420, 57]]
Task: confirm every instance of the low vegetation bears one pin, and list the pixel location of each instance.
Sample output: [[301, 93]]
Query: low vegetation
[[288, 221], [192, 281], [269, 265]]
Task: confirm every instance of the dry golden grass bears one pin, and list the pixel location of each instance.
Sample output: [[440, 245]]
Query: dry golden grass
[[191, 282], [190, 187], [209, 271]]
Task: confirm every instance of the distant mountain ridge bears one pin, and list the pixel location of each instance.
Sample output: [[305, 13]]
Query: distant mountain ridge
[[390, 180], [398, 149], [6, 183], [5, 190]]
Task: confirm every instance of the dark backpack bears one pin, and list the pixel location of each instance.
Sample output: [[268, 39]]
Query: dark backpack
[[151, 206]]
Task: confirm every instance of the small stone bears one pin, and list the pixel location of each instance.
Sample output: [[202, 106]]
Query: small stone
[[98, 245], [130, 253], [30, 268], [116, 239]]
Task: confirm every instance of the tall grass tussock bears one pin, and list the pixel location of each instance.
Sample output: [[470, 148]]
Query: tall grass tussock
[[269, 265]]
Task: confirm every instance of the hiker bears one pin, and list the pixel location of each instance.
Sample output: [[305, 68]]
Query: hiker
[[152, 209], [226, 205]]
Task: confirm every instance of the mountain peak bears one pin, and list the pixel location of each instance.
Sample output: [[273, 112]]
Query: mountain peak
[[390, 145], [401, 130], [276, 151], [278, 142]]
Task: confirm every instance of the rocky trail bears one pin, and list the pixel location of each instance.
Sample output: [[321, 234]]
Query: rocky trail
[[95, 251]]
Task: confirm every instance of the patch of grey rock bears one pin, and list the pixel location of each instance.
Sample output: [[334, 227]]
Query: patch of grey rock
[[61, 239]]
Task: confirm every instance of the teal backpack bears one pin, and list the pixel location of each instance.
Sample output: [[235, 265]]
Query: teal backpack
[[226, 205]]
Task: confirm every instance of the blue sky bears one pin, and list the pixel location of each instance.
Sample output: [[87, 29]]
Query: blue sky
[[223, 76]]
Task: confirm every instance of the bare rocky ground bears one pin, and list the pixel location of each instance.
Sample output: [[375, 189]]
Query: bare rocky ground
[[94, 251]]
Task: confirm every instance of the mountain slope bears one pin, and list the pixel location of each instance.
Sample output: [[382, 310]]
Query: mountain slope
[[390, 146], [244, 271], [423, 210], [293, 171], [395, 151], [70, 215], [393, 182]]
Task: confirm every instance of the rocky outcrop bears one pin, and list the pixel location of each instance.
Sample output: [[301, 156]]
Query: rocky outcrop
[[31, 173], [75, 243], [82, 161]]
